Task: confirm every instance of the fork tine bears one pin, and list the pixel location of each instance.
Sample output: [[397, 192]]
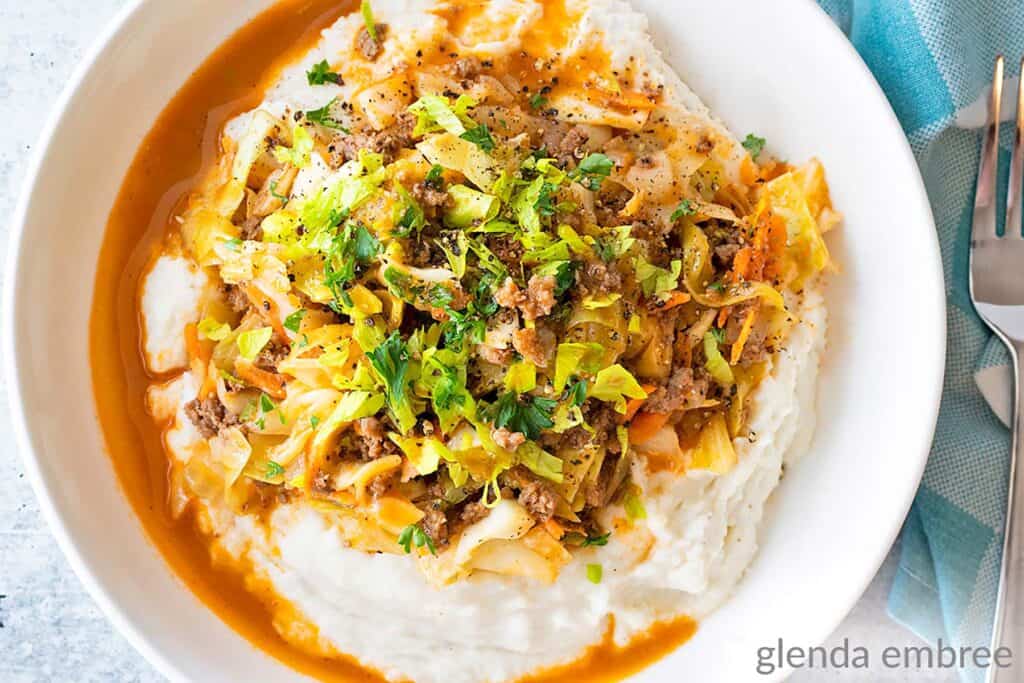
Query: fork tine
[[1013, 194], [984, 226]]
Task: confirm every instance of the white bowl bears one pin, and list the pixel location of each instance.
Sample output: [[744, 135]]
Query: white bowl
[[831, 521]]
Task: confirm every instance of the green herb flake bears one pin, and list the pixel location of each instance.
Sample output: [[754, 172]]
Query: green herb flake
[[480, 136], [294, 319], [274, 470], [597, 541], [685, 208], [314, 421], [538, 101], [576, 392], [435, 178], [529, 415], [414, 535], [233, 244], [592, 171], [754, 145], [323, 117], [595, 573], [321, 73]]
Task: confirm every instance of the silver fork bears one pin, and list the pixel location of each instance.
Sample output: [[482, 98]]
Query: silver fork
[[997, 291]]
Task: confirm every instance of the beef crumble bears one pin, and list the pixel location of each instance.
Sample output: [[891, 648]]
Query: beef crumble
[[210, 416]]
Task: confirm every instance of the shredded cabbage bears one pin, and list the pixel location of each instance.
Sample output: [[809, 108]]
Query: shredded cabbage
[[715, 363], [470, 207], [436, 112], [251, 342], [298, 154], [615, 384]]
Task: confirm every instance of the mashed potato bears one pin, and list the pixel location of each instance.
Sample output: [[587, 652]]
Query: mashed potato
[[681, 537]]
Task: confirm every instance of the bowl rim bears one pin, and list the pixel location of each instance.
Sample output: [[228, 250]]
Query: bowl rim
[[24, 441], [26, 445]]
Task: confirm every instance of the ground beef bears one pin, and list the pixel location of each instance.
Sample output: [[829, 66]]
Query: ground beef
[[322, 482], [473, 512], [374, 444], [367, 46], [510, 441], [537, 497], [596, 278], [540, 296], [509, 295], [495, 356], [435, 523], [725, 253], [210, 416], [507, 248], [387, 142], [598, 493], [236, 298], [602, 418], [272, 354], [569, 149], [380, 484], [432, 200], [251, 228], [755, 348], [468, 67], [536, 345], [683, 391]]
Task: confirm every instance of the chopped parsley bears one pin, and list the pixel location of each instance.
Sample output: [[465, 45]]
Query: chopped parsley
[[314, 421], [414, 535], [565, 276], [754, 145], [233, 244], [595, 573], [274, 470], [321, 73], [390, 360], [544, 205], [480, 136], [434, 178], [592, 171], [323, 117], [685, 208], [294, 319], [576, 392], [528, 415], [719, 334], [601, 540], [538, 101], [353, 245], [718, 286], [410, 216]]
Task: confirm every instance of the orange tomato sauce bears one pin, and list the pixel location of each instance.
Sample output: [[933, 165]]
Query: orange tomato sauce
[[182, 144]]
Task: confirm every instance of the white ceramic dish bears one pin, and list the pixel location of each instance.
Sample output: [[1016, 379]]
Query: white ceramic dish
[[831, 521]]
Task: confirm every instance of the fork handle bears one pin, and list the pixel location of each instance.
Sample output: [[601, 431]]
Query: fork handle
[[1008, 628]]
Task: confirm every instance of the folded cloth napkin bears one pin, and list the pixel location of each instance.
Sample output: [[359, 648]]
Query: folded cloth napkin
[[934, 60]]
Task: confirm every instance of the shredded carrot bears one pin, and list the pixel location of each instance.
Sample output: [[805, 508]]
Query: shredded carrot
[[723, 316], [199, 359], [645, 425], [748, 171], [267, 308], [554, 528], [741, 340], [633, 404], [270, 383], [675, 298]]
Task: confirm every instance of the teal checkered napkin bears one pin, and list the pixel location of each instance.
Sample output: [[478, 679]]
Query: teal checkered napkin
[[934, 60]]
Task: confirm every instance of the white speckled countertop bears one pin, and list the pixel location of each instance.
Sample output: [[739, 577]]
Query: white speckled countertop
[[50, 630]]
